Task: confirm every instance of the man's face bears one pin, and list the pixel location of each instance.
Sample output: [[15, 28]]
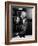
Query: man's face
[[23, 14]]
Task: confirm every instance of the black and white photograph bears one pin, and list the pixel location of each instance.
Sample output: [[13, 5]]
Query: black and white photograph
[[21, 22]]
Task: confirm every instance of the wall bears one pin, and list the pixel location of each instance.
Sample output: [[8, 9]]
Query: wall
[[2, 23]]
